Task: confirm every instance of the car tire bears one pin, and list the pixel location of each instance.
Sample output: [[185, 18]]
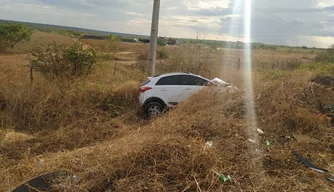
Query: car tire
[[154, 109]]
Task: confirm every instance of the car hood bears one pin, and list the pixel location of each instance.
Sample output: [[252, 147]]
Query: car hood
[[220, 82]]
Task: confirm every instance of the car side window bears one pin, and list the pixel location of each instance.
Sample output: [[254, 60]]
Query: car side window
[[192, 80], [170, 80]]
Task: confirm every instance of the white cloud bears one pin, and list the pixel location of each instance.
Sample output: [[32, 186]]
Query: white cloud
[[208, 4], [134, 14], [195, 21], [325, 3]]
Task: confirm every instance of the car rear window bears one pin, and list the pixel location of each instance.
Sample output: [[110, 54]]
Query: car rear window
[[170, 80], [145, 82]]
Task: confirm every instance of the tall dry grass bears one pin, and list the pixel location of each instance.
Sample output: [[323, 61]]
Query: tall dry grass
[[169, 153], [90, 127], [64, 115]]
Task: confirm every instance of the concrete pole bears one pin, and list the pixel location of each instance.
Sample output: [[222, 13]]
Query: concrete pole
[[154, 38]]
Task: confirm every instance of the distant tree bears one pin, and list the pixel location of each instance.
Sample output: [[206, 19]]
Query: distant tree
[[161, 42], [12, 34]]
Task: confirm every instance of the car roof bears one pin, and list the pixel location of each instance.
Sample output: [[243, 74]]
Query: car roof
[[175, 73]]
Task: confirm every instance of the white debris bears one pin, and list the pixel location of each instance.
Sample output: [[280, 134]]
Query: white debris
[[209, 144], [41, 163], [260, 131], [220, 82], [76, 178], [251, 140]]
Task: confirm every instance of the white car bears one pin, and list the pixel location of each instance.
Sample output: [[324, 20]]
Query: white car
[[167, 90]]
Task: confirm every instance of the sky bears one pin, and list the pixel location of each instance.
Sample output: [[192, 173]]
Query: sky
[[283, 22]]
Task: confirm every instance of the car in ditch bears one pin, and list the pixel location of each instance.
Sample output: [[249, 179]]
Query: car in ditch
[[167, 90]]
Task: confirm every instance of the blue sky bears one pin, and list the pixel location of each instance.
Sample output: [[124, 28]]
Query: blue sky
[[291, 22]]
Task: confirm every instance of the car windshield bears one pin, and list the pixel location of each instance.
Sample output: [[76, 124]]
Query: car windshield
[[167, 95]]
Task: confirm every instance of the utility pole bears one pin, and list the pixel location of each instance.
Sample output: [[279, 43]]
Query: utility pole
[[154, 38]]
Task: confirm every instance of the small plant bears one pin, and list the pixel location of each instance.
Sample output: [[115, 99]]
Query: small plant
[[112, 44], [61, 61]]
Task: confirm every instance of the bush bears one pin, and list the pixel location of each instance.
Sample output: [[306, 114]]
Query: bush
[[61, 61], [162, 41]]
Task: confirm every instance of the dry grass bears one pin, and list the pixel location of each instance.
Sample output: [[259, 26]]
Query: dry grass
[[91, 128], [169, 153], [42, 39]]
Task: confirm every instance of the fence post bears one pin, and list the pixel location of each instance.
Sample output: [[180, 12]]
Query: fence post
[[31, 73], [115, 68], [282, 67], [277, 62], [238, 63]]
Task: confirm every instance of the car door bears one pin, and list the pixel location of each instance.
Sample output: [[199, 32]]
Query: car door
[[168, 89], [190, 84]]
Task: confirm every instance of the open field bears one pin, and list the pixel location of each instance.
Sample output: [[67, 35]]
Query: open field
[[93, 128]]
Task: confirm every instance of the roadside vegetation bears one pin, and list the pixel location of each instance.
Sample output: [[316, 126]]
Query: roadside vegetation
[[80, 113]]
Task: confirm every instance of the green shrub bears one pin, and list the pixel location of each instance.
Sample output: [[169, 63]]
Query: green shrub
[[61, 61], [161, 42]]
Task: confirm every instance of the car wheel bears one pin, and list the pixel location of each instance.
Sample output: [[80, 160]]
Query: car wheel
[[154, 109]]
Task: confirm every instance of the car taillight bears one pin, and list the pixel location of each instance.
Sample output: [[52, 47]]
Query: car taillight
[[143, 89]]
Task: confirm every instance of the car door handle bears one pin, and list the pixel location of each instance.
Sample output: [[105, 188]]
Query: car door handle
[[163, 90], [188, 89]]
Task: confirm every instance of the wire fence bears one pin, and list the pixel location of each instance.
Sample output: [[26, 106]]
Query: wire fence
[[263, 63]]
